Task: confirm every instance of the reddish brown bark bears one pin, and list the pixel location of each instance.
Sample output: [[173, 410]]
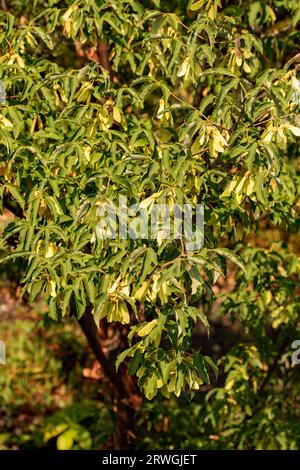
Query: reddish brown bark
[[123, 395]]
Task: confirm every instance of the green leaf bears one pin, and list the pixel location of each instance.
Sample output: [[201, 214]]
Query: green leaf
[[259, 186], [198, 313], [150, 261], [200, 366], [231, 256], [218, 71], [122, 356], [196, 6], [65, 440], [16, 194], [213, 366], [147, 328], [135, 362]]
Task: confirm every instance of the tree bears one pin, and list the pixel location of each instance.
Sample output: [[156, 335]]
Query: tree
[[161, 102]]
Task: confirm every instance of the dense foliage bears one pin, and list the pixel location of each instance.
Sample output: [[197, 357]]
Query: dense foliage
[[162, 102]]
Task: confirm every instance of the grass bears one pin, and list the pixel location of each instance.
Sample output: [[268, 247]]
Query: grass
[[42, 387]]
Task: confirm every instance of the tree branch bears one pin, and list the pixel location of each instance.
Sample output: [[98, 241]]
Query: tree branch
[[90, 329], [3, 5], [123, 406]]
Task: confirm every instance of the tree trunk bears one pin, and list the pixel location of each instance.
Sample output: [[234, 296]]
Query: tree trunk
[[120, 393]]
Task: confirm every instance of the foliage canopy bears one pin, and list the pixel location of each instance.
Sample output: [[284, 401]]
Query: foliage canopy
[[169, 102]]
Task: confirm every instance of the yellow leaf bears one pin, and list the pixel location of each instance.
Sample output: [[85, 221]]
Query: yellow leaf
[[238, 61], [149, 201], [249, 186], [267, 135], [53, 289], [196, 6], [161, 236], [219, 142], [145, 330], [103, 309], [51, 250], [5, 122], [240, 186], [69, 12], [159, 383], [247, 68], [111, 312], [66, 439], [87, 153], [295, 130], [154, 290], [184, 68], [161, 108], [16, 58], [163, 293], [117, 114], [229, 384], [212, 12], [141, 293], [123, 314]]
